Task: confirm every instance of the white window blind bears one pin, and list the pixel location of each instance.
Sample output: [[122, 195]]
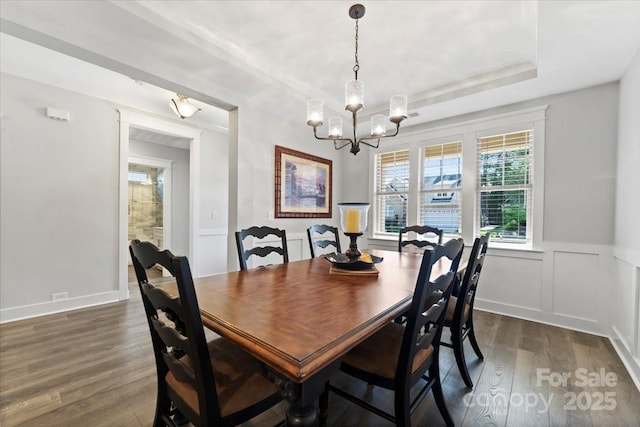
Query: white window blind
[[391, 191], [440, 198], [505, 182]]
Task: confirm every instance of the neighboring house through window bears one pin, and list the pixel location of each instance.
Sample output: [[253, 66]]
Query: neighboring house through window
[[440, 201], [392, 191]]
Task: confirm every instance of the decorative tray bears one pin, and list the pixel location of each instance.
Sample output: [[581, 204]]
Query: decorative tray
[[363, 263]]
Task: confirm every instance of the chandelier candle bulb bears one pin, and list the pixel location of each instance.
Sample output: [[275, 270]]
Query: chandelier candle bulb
[[398, 108], [315, 111], [354, 95], [335, 127], [378, 127]]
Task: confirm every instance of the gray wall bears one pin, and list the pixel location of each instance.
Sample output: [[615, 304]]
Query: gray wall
[[253, 181], [580, 165], [59, 198], [58, 193]]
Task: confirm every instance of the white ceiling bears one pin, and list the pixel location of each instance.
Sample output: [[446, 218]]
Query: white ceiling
[[450, 57]]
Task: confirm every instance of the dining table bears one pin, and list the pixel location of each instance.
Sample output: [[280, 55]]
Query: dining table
[[300, 318]]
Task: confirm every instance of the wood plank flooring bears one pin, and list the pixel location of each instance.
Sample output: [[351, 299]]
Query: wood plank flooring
[[94, 367]]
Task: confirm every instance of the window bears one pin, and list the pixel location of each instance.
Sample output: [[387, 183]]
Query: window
[[440, 199], [468, 178], [391, 191], [504, 186]]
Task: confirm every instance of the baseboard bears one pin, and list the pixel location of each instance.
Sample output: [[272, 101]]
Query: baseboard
[[631, 363], [34, 310], [575, 324]]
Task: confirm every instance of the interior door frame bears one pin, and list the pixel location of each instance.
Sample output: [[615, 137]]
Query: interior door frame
[[129, 119], [165, 165]]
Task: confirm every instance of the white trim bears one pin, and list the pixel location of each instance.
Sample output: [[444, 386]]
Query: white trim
[[12, 314], [632, 364], [213, 232], [410, 133], [194, 204], [535, 316]]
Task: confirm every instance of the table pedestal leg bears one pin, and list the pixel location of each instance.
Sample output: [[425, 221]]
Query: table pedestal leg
[[302, 416], [302, 397]]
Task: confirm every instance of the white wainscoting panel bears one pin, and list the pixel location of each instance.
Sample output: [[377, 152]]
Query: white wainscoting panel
[[298, 246], [624, 299], [212, 252], [625, 310], [511, 283], [575, 285]]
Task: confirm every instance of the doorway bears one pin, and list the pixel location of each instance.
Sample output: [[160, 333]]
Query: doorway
[[187, 207], [149, 206]]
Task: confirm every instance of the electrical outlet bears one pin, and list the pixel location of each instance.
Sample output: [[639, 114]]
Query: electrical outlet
[[270, 215], [59, 296]]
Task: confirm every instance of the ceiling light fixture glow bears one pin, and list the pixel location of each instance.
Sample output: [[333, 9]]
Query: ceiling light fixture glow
[[182, 107]]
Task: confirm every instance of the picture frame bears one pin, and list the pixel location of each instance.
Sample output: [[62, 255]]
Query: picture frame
[[303, 185]]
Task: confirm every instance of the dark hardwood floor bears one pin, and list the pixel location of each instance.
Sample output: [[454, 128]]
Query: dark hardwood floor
[[94, 367]]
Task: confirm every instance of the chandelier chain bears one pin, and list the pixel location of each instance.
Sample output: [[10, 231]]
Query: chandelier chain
[[357, 66]]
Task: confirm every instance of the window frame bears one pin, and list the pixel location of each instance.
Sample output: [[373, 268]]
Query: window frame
[[504, 187], [375, 194], [415, 138]]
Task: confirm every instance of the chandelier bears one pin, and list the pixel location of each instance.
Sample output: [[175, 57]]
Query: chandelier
[[354, 101]]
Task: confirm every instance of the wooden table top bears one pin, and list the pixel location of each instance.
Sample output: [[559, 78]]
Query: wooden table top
[[296, 317]]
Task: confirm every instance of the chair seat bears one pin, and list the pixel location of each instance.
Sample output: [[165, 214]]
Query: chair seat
[[379, 354], [451, 307], [239, 379]]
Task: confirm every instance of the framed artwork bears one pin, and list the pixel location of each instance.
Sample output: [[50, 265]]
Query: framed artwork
[[303, 185]]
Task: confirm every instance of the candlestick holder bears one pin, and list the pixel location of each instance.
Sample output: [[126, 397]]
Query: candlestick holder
[[353, 253], [353, 220]]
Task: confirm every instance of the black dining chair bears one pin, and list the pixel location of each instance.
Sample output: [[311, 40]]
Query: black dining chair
[[459, 315], [454, 259], [261, 251], [208, 383], [399, 356], [431, 237], [322, 236]]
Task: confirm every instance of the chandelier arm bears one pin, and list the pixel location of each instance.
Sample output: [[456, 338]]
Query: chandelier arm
[[378, 138], [362, 141], [346, 141]]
